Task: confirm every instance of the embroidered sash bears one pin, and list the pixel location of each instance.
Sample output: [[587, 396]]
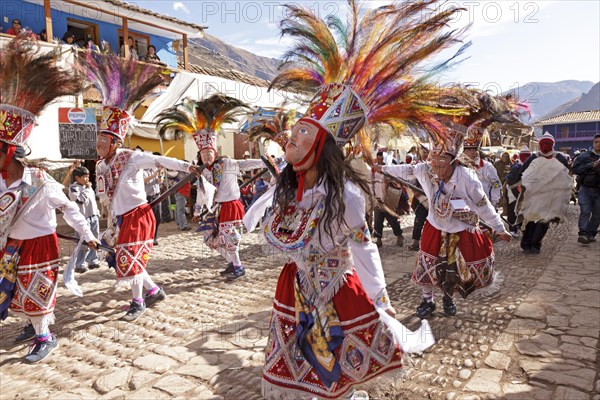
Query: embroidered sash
[[109, 175]]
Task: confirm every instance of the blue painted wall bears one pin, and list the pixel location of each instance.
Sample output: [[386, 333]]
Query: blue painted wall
[[32, 17]]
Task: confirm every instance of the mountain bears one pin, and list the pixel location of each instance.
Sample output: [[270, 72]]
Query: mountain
[[544, 97], [586, 102], [215, 53]]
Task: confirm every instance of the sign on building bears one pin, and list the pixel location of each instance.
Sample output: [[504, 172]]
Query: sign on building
[[77, 133]]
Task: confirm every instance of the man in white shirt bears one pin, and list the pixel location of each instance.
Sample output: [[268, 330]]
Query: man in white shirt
[[380, 188], [120, 186], [485, 170]]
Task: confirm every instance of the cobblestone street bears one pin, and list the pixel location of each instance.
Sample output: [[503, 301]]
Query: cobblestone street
[[536, 338]]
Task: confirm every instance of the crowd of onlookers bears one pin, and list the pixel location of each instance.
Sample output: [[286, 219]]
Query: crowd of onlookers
[[69, 38]]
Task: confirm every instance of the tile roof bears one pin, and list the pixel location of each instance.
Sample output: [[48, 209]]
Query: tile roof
[[579, 116], [230, 74], [133, 7]]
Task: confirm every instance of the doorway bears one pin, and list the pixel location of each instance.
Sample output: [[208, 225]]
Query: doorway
[[83, 31]]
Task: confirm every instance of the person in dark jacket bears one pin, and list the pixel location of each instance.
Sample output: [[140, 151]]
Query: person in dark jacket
[[587, 168]]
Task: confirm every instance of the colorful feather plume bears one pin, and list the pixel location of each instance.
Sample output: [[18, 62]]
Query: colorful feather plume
[[122, 82], [191, 116], [380, 54], [30, 79], [484, 109], [271, 128]]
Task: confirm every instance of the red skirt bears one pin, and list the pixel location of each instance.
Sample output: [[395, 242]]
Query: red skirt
[[475, 247], [136, 237], [368, 348], [37, 275], [231, 211]]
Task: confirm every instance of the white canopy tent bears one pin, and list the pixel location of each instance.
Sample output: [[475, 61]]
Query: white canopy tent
[[197, 86]]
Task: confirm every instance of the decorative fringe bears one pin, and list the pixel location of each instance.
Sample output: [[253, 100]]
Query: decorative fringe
[[325, 296], [491, 289]]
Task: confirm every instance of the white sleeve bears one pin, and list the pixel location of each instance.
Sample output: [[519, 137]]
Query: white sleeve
[[485, 209], [405, 171], [148, 160], [58, 200], [365, 254], [249, 164]]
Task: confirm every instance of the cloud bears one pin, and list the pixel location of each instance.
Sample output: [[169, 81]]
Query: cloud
[[178, 5]]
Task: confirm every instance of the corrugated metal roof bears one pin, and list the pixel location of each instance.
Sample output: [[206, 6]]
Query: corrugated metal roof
[[579, 116]]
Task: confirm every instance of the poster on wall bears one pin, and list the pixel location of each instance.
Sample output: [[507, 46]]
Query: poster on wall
[[77, 133]]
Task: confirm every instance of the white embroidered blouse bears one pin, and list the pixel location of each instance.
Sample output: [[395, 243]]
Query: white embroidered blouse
[[324, 260], [464, 185], [39, 219], [121, 181]]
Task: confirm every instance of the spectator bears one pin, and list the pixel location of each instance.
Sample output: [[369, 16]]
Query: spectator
[[380, 188], [132, 50], [43, 35], [81, 192], [69, 38], [152, 57], [587, 168], [180, 201], [246, 155], [503, 166], [16, 27]]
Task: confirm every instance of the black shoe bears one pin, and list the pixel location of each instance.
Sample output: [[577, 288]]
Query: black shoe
[[449, 306], [583, 240], [238, 272], [40, 350], [591, 239], [156, 243], [81, 269], [160, 295], [535, 250], [425, 309], [413, 247], [187, 228], [527, 251], [378, 242], [94, 266], [27, 333], [227, 270], [135, 311]]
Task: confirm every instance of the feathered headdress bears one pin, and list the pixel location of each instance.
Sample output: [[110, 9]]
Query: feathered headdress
[[123, 84], [29, 81], [202, 119], [275, 128], [368, 70], [483, 110]]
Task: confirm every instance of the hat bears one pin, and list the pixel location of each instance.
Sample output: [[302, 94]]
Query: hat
[[475, 136], [29, 80], [275, 128], [115, 121], [201, 119], [547, 136], [339, 110], [360, 71], [525, 150], [123, 85], [246, 153], [205, 139], [453, 140]]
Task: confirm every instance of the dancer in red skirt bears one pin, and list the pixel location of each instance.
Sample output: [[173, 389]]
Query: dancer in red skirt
[[332, 325], [29, 252], [120, 176], [218, 190], [455, 254]]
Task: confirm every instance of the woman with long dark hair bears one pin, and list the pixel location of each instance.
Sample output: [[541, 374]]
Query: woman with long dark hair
[[332, 325]]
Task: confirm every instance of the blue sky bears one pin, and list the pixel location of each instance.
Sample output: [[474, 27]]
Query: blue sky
[[514, 42]]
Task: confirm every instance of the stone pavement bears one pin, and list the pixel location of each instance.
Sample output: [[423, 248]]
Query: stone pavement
[[536, 338]]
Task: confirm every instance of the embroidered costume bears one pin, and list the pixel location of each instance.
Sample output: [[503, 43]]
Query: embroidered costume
[[218, 188], [119, 173], [331, 327], [29, 253]]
